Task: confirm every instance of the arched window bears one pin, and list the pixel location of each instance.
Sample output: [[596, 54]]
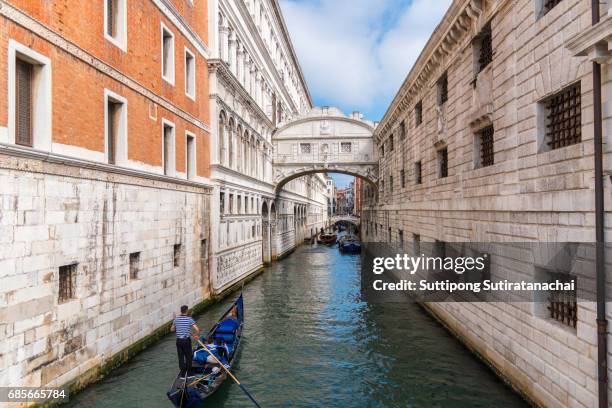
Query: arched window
[[222, 131], [231, 133]]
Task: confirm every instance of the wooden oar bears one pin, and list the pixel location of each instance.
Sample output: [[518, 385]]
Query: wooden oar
[[228, 372]]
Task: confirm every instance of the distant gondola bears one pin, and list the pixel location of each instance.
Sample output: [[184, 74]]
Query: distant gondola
[[327, 239], [349, 244], [207, 376]]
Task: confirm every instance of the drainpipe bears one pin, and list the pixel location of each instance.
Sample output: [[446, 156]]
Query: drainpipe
[[602, 323]]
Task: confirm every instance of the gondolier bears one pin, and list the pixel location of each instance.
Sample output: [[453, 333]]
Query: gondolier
[[182, 325]]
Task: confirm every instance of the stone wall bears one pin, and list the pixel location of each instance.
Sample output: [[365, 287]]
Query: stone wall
[[55, 214], [529, 194]]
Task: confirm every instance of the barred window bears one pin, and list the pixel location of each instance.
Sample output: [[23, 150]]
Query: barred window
[[549, 5], [391, 145], [443, 162], [443, 89], [403, 178], [562, 305], [391, 183], [485, 47], [563, 118], [418, 176], [345, 147], [403, 130], [305, 148], [67, 282], [485, 149], [418, 113]]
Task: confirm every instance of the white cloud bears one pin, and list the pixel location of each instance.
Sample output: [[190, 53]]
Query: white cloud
[[356, 53]]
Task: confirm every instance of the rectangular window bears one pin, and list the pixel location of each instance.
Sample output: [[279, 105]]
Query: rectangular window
[[403, 178], [190, 74], [389, 234], [221, 203], [391, 144], [168, 149], [134, 265], [67, 282], [418, 113], [400, 235], [167, 45], [115, 22], [231, 203], [382, 151], [562, 305], [442, 89], [116, 127], [403, 130], [305, 148], [483, 48], [345, 147], [484, 147], [562, 118], [548, 5], [203, 249], [190, 159], [239, 204], [24, 78], [443, 162], [176, 257], [391, 183], [418, 173]]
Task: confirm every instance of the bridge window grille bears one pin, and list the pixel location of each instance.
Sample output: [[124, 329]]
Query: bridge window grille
[[549, 5], [563, 118], [443, 162], [345, 147], [562, 305], [418, 113], [443, 89], [418, 172], [305, 148], [485, 43], [67, 282], [485, 139]]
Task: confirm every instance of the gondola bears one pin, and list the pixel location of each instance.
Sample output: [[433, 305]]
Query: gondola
[[349, 244], [206, 375], [326, 239]]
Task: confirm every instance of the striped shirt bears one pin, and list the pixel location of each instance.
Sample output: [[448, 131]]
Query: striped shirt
[[182, 325]]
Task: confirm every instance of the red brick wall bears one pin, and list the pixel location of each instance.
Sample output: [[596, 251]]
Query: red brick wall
[[78, 88]]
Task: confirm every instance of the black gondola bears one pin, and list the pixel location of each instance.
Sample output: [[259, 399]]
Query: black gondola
[[207, 376]]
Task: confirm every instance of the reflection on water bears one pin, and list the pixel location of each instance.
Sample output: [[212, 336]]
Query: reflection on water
[[309, 341]]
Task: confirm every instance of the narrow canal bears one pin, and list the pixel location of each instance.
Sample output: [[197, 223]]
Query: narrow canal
[[310, 341]]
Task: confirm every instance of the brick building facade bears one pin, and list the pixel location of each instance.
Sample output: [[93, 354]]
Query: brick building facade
[[104, 168]]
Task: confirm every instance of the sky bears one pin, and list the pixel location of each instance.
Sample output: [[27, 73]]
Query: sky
[[355, 54]]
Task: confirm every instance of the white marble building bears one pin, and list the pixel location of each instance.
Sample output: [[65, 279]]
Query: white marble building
[[255, 83]]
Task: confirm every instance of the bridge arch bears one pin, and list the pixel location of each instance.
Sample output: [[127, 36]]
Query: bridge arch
[[324, 140]]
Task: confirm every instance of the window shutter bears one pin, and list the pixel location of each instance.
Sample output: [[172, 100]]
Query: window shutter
[[23, 111], [110, 17]]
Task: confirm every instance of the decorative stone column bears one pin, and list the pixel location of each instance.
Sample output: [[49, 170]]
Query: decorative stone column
[[223, 41], [232, 52]]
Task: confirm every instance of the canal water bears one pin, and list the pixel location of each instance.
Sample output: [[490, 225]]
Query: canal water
[[309, 341]]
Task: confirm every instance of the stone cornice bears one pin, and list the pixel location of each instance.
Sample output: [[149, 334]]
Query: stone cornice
[[593, 42], [84, 168], [455, 25]]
